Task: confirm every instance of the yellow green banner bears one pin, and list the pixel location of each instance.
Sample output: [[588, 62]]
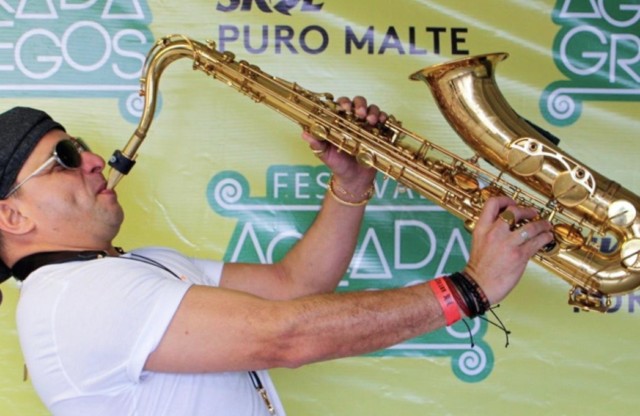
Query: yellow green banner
[[221, 176]]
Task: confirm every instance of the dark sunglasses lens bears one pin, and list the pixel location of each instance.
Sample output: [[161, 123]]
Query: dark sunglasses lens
[[68, 155], [83, 145]]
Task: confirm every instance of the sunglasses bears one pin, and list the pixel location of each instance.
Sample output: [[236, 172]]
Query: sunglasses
[[66, 154]]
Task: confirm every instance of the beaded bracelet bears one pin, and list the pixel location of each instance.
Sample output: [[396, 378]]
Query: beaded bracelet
[[474, 299], [447, 301], [333, 187]]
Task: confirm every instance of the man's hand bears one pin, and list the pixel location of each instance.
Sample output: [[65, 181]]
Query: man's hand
[[348, 173], [499, 254]]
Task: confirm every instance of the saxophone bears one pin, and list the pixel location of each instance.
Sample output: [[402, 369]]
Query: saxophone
[[583, 206]]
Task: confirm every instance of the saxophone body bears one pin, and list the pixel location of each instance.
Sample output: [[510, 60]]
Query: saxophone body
[[583, 206]]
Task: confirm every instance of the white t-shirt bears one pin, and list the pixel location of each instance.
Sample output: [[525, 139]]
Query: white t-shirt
[[87, 327]]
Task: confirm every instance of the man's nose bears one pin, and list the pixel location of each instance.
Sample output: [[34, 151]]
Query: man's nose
[[92, 162]]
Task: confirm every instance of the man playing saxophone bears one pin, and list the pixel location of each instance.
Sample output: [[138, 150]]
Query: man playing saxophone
[[152, 332]]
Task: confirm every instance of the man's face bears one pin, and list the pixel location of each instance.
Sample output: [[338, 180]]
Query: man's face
[[69, 208]]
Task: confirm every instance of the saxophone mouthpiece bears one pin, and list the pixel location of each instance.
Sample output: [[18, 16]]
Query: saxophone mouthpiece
[[120, 166], [113, 179]]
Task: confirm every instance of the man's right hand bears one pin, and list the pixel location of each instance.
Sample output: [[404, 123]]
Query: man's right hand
[[499, 255]]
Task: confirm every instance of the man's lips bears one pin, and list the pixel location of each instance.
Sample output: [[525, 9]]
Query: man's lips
[[102, 189]]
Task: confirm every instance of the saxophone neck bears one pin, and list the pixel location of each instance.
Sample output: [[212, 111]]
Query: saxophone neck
[[163, 53]]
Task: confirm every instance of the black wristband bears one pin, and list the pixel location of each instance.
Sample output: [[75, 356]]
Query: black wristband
[[474, 297]]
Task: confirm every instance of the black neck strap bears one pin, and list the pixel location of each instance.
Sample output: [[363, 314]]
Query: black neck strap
[[26, 265]]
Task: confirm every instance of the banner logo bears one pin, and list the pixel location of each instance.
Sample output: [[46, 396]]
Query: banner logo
[[316, 39], [74, 48], [282, 6], [598, 50], [404, 240]]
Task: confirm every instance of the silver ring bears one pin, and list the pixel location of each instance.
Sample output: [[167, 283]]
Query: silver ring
[[525, 235]]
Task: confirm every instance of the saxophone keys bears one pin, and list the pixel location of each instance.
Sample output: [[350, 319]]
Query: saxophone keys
[[228, 57], [589, 300], [466, 181], [568, 237], [523, 163], [490, 192], [436, 165], [621, 213], [631, 254], [567, 191], [366, 159], [319, 132]]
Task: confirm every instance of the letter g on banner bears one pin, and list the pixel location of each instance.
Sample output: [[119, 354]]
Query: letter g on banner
[[598, 50]]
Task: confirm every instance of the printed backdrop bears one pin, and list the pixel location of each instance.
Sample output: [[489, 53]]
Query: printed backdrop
[[222, 177]]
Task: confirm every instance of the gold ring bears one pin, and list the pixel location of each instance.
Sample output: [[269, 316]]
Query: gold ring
[[509, 218], [319, 152]]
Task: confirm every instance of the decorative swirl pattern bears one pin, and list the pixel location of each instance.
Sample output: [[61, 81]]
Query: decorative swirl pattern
[[227, 192], [561, 105], [473, 361]]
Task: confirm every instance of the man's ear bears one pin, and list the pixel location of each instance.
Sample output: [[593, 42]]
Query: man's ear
[[12, 220]]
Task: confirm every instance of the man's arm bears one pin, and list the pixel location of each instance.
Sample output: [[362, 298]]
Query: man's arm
[[314, 265], [319, 260], [217, 329]]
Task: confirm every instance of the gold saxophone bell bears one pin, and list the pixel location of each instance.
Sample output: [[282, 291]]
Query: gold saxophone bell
[[583, 206]]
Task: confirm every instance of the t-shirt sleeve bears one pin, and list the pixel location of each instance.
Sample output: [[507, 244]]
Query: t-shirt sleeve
[[110, 324], [211, 271]]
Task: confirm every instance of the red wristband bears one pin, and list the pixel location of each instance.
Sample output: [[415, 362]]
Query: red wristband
[[447, 301], [458, 298]]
